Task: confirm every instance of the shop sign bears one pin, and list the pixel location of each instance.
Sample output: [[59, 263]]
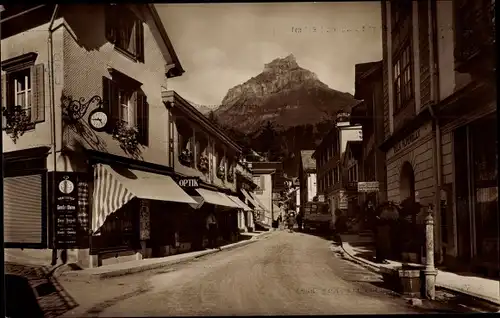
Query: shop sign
[[66, 210], [368, 186], [343, 202], [407, 141], [188, 183]]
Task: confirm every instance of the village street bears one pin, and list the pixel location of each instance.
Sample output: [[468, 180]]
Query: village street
[[285, 273]]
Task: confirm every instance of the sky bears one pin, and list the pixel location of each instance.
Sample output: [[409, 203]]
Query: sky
[[223, 45]]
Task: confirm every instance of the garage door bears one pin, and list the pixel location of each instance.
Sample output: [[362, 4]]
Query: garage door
[[23, 209]]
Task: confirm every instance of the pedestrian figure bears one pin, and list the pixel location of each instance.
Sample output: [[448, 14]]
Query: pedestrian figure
[[212, 231], [280, 220], [291, 221], [299, 221]]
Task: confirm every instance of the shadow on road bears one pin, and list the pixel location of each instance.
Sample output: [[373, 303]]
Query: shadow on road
[[97, 309], [20, 298], [32, 291]]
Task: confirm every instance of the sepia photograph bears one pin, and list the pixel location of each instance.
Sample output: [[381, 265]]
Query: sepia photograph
[[249, 158]]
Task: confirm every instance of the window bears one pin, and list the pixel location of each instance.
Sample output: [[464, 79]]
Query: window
[[125, 100], [262, 182], [23, 85], [403, 77], [126, 103], [125, 31], [401, 11]]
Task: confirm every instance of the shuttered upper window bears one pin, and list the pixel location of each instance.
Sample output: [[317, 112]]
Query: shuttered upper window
[[125, 31], [23, 85], [127, 103]]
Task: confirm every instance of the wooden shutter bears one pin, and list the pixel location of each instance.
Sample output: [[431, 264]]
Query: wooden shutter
[[38, 93], [4, 99], [110, 23], [23, 209], [139, 41], [143, 118], [110, 101]]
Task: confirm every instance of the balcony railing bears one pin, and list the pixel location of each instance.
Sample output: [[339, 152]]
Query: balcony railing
[[475, 30]]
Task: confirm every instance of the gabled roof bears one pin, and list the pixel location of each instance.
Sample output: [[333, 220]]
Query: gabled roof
[[307, 161], [177, 69]]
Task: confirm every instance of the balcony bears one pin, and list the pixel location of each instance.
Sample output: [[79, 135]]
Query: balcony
[[475, 36]]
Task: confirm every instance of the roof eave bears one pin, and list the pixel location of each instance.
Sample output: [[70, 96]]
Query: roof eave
[[177, 70], [194, 114]]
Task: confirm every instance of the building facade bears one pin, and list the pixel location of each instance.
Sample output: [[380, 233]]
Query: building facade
[[329, 157], [56, 71], [438, 89], [91, 140], [204, 161], [369, 114], [350, 171], [307, 178]]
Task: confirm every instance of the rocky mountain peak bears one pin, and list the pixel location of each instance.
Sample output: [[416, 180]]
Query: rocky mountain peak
[[282, 64]]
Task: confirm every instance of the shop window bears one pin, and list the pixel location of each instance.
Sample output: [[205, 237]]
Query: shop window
[[120, 230], [485, 186]]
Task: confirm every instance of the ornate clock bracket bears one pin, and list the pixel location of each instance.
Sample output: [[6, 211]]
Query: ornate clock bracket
[[74, 110]]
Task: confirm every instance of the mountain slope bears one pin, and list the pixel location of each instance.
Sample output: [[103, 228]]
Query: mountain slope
[[285, 94]]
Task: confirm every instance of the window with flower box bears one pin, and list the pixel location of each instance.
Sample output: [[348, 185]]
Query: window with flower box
[[127, 105], [23, 86]]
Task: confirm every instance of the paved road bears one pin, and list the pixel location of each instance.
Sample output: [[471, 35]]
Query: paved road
[[287, 273]]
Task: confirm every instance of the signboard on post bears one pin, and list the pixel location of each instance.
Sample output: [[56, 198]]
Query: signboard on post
[[368, 186], [66, 210]]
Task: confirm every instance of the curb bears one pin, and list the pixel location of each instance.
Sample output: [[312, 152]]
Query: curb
[[75, 275], [380, 270]]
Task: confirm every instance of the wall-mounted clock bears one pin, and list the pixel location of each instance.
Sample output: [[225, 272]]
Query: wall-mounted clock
[[98, 119]]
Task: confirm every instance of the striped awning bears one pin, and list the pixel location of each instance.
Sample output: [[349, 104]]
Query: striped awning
[[249, 198], [115, 186], [217, 198], [240, 203]]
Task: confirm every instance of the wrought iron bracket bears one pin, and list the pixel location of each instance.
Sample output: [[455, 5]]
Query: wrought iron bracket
[[74, 110]]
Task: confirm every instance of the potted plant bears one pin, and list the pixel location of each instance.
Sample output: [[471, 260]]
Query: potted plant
[[221, 172], [17, 121], [230, 174], [186, 157], [203, 164], [127, 137]]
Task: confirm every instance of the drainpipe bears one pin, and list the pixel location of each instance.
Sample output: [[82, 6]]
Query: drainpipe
[[53, 119], [434, 68]]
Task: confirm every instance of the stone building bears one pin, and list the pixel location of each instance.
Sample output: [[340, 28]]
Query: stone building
[[369, 114], [440, 121], [328, 156]]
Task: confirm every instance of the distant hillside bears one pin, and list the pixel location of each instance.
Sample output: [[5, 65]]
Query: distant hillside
[[281, 111], [284, 94]]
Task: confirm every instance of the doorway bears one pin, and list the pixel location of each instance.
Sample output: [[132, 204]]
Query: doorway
[[406, 182]]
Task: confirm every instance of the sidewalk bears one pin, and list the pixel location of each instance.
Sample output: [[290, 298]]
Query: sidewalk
[[362, 250], [138, 266]]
